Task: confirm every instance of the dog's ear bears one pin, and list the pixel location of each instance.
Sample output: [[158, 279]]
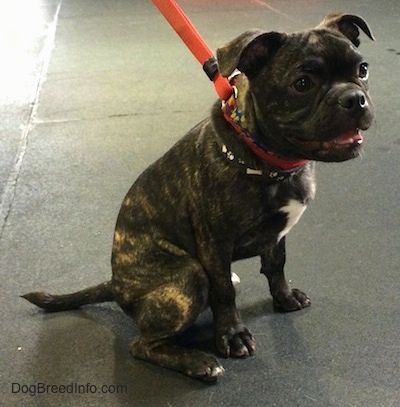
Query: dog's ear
[[248, 52], [348, 25]]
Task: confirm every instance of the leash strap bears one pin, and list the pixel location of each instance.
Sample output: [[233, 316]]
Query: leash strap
[[190, 36]]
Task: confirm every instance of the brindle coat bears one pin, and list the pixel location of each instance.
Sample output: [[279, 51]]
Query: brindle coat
[[196, 209]]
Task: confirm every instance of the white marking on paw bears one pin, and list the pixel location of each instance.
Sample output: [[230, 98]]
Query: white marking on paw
[[218, 371], [294, 209], [235, 279]]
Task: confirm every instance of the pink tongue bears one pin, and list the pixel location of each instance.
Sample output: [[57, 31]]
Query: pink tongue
[[349, 137]]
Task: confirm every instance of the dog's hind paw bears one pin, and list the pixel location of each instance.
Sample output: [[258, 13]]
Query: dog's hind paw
[[193, 363], [208, 370], [293, 301]]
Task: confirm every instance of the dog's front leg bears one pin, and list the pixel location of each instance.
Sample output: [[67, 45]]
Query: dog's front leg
[[232, 338], [272, 265]]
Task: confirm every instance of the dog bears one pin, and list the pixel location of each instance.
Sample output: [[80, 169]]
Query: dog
[[232, 188]]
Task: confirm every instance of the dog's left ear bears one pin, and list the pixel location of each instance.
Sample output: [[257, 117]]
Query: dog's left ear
[[348, 25], [248, 52]]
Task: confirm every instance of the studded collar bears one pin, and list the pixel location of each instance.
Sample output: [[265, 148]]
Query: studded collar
[[280, 168]]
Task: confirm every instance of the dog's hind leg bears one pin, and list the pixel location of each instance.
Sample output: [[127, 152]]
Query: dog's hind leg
[[166, 312], [165, 353]]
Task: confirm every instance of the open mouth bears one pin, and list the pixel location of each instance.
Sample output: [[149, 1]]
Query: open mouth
[[349, 139], [345, 146], [340, 148]]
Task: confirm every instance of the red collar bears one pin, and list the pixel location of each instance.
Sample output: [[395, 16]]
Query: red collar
[[236, 119]]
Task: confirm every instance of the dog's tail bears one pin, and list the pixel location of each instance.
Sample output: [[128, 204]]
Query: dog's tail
[[54, 303]]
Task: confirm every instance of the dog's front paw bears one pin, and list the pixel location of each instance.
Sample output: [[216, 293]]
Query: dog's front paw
[[236, 342], [292, 301]]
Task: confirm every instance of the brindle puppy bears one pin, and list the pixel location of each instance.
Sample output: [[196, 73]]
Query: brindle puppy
[[231, 189]]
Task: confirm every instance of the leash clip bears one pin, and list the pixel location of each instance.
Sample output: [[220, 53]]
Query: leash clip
[[210, 67]]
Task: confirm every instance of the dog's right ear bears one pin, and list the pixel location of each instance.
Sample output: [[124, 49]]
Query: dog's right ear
[[248, 52], [348, 25]]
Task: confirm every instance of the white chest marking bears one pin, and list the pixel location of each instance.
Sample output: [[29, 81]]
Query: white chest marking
[[235, 279], [294, 209]]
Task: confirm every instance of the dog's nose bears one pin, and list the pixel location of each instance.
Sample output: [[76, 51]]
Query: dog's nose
[[353, 100]]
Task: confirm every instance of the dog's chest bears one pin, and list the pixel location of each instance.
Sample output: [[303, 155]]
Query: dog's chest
[[283, 206], [268, 230], [293, 210]]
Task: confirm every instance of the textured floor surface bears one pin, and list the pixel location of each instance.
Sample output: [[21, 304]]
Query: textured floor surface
[[91, 92]]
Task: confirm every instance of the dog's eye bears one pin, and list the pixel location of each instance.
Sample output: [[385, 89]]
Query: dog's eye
[[303, 84], [363, 72]]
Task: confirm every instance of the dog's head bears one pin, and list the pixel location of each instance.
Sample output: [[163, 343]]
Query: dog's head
[[306, 93]]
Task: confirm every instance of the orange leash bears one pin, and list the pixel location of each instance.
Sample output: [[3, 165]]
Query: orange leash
[[190, 36]]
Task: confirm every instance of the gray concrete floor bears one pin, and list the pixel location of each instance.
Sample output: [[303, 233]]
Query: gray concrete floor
[[91, 93]]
